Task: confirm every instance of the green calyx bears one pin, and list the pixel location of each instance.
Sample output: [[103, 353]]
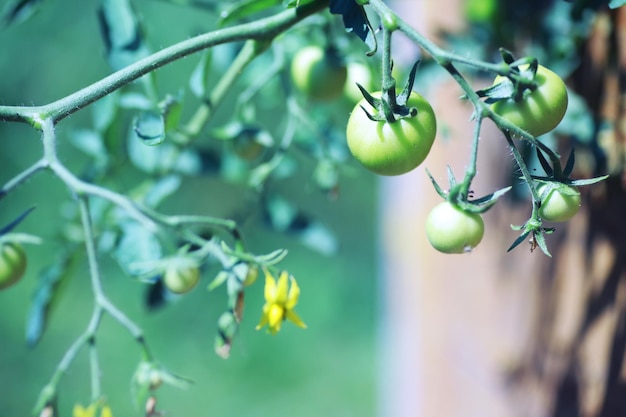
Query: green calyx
[[391, 107]]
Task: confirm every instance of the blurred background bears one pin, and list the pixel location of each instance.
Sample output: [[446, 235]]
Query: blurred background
[[394, 329]]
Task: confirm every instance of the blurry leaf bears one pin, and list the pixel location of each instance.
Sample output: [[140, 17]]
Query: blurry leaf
[[162, 189], [156, 295], [135, 101], [121, 33], [171, 109], [18, 11], [149, 126], [244, 8], [614, 4], [6, 229], [354, 20], [319, 238], [136, 246], [47, 290], [103, 112], [89, 142], [221, 278], [199, 76], [163, 159]]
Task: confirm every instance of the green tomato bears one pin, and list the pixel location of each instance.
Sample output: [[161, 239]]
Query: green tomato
[[538, 111], [12, 264], [181, 276], [358, 72], [319, 74], [449, 229], [558, 203], [392, 148]]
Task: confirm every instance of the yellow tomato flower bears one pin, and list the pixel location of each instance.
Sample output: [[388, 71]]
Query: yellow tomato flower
[[280, 300]]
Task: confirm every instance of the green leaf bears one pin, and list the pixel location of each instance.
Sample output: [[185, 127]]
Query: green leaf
[[149, 126], [18, 11], [221, 278], [88, 141], [122, 33], [243, 9], [46, 293], [199, 76], [137, 246], [162, 189], [104, 111]]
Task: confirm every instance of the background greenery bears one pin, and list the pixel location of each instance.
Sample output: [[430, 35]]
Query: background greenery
[[328, 369]]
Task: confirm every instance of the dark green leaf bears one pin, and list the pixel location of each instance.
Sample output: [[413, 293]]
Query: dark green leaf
[[354, 20], [6, 229]]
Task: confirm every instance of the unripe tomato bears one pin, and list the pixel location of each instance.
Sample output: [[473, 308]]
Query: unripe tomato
[[319, 74], [181, 276], [538, 111], [392, 148], [148, 375], [450, 229], [12, 264], [559, 204], [357, 73]]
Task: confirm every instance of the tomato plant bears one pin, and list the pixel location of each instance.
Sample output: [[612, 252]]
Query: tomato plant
[[392, 148], [559, 202], [318, 73], [181, 275], [450, 229], [12, 264], [537, 110]]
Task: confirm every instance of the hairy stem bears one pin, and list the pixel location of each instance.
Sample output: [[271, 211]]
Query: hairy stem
[[265, 28]]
